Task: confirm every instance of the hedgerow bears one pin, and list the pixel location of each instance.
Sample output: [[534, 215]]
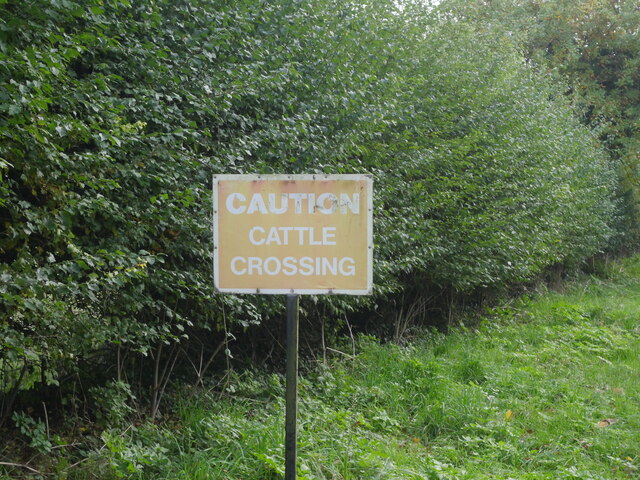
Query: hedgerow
[[114, 116]]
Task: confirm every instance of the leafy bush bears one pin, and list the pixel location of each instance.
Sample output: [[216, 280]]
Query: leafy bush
[[112, 403], [592, 47], [115, 115], [495, 182]]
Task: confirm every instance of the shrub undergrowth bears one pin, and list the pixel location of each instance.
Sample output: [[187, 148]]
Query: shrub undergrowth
[[543, 387]]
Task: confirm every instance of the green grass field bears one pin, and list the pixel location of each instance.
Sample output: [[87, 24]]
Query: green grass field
[[545, 388]]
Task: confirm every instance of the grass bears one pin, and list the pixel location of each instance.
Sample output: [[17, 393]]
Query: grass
[[545, 388]]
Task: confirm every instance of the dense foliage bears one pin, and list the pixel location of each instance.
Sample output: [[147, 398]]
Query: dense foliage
[[115, 114], [593, 46], [539, 390]]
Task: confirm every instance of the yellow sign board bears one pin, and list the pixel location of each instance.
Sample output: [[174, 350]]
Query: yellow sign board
[[293, 234]]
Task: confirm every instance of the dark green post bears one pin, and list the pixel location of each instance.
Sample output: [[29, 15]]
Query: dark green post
[[291, 432]]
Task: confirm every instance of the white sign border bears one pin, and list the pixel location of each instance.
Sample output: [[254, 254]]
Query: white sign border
[[294, 177]]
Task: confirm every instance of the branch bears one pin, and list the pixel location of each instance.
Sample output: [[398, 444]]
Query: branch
[[27, 467]]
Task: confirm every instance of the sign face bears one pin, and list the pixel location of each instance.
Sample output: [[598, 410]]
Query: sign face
[[293, 234]]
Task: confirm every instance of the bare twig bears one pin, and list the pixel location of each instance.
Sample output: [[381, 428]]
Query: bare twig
[[74, 444], [196, 369], [156, 382], [209, 362], [352, 357], [353, 340], [408, 319], [168, 373], [118, 364], [19, 465], [227, 351], [11, 397], [46, 420], [160, 380], [324, 345], [77, 463]]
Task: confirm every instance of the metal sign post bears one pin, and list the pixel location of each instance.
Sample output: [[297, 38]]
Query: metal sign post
[[293, 235], [291, 426]]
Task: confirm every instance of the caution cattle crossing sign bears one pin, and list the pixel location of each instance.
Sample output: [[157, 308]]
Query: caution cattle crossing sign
[[293, 234]]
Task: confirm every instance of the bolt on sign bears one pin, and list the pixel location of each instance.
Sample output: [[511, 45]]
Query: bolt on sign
[[293, 234]]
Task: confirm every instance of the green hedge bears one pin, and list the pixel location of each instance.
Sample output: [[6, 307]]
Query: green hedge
[[114, 115]]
